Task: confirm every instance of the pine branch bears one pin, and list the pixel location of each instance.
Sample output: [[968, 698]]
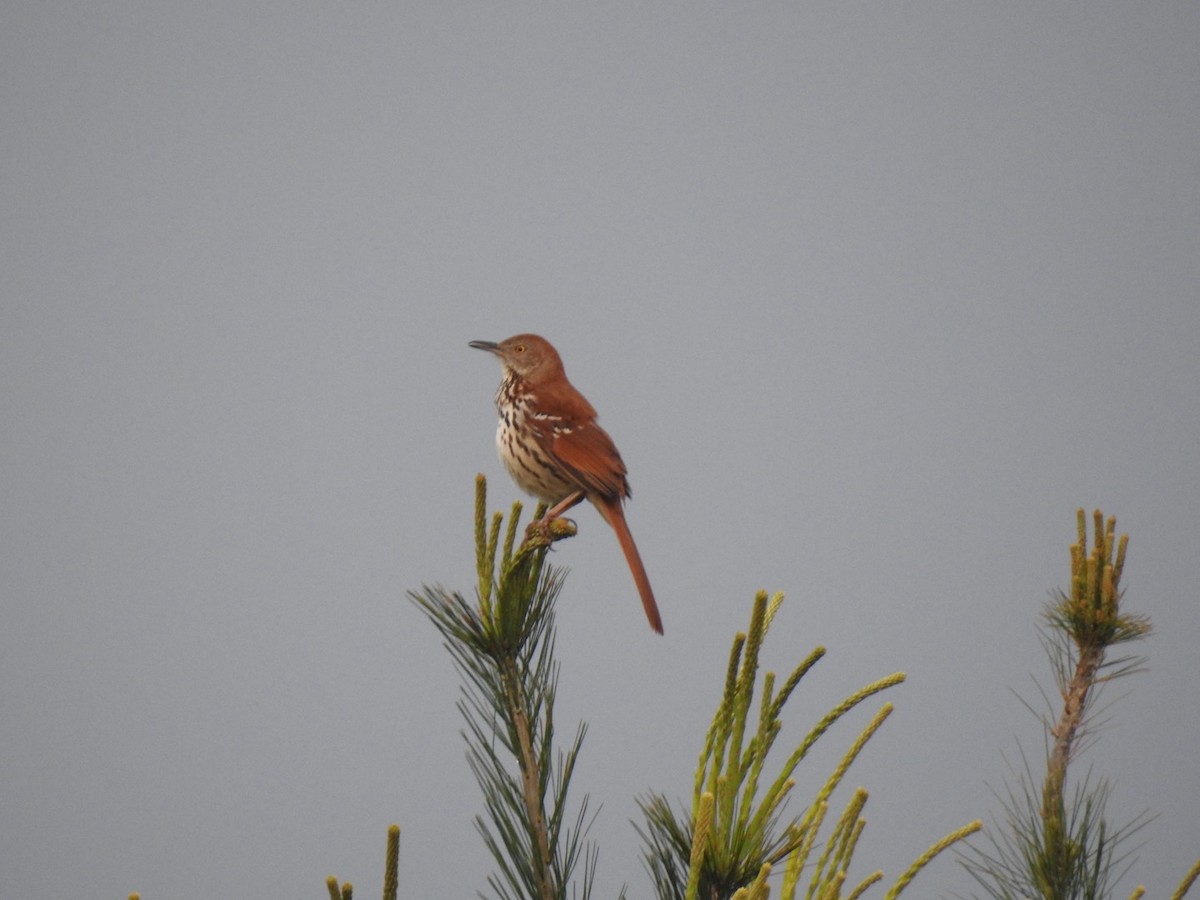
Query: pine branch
[[503, 646], [1052, 847]]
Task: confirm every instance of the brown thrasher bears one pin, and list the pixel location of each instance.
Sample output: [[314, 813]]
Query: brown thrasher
[[553, 449]]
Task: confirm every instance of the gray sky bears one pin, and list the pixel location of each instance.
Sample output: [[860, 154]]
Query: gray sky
[[871, 297]]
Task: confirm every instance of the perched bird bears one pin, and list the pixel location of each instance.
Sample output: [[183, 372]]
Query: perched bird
[[552, 447]]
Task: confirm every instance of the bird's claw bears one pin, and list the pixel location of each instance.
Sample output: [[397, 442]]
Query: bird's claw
[[545, 532]]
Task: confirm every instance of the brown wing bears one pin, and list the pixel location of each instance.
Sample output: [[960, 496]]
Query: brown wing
[[576, 444], [588, 454]]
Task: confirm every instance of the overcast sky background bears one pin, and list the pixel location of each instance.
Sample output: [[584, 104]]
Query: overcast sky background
[[871, 296]]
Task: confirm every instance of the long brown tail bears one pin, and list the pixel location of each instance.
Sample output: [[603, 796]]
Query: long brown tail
[[615, 516]]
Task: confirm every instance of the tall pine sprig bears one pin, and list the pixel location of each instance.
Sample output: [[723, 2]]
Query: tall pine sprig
[[503, 646], [1053, 842]]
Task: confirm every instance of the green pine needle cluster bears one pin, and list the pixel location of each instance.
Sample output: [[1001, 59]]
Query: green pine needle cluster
[[736, 832]]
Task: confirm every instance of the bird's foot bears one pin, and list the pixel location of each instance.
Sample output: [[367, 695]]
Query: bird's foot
[[545, 531]]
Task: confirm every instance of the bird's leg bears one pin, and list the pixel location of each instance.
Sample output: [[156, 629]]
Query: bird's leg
[[563, 505]]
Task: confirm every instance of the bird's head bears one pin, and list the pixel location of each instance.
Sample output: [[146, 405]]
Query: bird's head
[[526, 355]]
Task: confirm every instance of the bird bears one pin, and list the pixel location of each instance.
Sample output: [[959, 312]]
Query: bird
[[552, 446]]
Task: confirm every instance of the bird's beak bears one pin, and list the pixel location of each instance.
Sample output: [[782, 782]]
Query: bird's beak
[[489, 346]]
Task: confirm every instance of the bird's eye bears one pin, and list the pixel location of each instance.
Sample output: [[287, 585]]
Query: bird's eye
[[520, 348]]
